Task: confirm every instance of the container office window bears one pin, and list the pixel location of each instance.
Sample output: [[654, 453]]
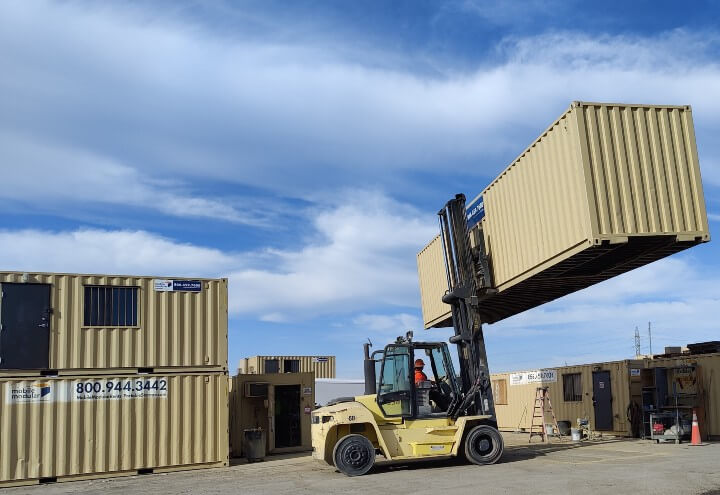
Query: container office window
[[272, 366], [291, 366], [111, 306], [572, 387], [499, 389]]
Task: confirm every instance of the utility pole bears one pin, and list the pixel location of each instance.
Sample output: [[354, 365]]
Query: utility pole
[[650, 338], [637, 343]]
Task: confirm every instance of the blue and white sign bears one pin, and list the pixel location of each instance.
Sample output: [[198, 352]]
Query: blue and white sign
[[177, 285], [475, 212]]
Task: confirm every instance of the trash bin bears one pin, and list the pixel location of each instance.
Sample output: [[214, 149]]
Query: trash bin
[[254, 444]]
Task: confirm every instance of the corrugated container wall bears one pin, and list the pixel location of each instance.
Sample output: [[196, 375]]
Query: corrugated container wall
[[605, 189], [517, 409], [97, 426], [709, 365], [322, 366], [159, 328]]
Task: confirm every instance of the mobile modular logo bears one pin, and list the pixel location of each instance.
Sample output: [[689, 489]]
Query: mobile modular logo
[[475, 212], [29, 392]]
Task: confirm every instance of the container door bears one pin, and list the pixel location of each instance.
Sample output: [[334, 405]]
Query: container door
[[25, 326], [602, 401], [287, 416]]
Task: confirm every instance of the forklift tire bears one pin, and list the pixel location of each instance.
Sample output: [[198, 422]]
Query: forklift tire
[[483, 445], [354, 455]]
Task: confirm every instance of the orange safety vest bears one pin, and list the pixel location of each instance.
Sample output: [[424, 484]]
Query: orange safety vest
[[420, 376]]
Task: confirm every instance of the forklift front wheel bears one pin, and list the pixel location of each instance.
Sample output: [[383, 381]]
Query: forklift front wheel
[[483, 445], [354, 455]]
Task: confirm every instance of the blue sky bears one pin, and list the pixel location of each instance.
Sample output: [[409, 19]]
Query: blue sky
[[303, 148]]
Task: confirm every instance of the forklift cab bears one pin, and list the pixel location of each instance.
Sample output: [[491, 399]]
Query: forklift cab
[[397, 392]]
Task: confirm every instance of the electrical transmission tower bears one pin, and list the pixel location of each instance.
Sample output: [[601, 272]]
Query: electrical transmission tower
[[637, 343]]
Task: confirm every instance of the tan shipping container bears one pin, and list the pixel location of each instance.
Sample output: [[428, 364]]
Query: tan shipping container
[[322, 366], [63, 429], [514, 404], [605, 189], [150, 326], [262, 401]]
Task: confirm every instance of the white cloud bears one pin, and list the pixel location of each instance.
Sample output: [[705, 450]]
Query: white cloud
[[393, 324], [293, 118], [714, 217], [361, 255], [34, 171], [111, 252]]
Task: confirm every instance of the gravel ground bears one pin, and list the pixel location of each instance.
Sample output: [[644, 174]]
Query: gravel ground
[[610, 466]]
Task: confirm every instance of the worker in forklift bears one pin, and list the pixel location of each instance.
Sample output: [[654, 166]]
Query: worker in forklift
[[420, 376], [436, 394]]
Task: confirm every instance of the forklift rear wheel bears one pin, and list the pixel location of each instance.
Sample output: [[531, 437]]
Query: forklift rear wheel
[[483, 445], [354, 455]]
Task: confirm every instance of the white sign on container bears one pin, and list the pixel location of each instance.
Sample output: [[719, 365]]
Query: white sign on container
[[537, 376], [92, 389]]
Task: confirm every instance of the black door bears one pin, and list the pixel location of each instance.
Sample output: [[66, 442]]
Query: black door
[[25, 331], [602, 401], [287, 416]]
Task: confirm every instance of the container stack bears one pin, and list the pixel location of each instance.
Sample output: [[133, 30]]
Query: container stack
[[111, 375]]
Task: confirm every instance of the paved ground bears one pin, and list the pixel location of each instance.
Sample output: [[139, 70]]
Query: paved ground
[[612, 467]]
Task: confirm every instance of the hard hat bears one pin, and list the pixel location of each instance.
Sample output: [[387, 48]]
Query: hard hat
[[419, 363]]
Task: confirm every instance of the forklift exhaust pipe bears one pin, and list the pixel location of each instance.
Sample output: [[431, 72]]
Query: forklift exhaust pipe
[[369, 368]]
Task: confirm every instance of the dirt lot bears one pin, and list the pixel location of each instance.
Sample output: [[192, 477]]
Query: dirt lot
[[611, 466]]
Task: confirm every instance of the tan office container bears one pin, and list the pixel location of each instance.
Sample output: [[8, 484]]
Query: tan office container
[[322, 366], [174, 330], [63, 429], [516, 411], [251, 408], [605, 189]]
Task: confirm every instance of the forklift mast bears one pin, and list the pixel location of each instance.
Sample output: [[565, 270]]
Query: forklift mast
[[467, 277]]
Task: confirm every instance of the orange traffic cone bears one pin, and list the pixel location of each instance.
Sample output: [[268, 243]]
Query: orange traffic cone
[[695, 439]]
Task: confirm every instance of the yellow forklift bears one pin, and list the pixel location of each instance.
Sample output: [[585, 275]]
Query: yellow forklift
[[418, 408]]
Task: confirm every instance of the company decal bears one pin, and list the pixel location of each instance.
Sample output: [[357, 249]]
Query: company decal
[[474, 212], [307, 390], [177, 285], [634, 371], [118, 389], [538, 376], [320, 359], [91, 389], [23, 392]]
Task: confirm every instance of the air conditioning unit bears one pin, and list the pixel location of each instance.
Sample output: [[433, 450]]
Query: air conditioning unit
[[256, 389]]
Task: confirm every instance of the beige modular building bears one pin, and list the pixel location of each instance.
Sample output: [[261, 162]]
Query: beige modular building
[[278, 403], [96, 426], [571, 390], [605, 189], [71, 323], [322, 366], [601, 392]]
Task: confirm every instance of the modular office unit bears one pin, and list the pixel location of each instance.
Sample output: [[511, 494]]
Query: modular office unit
[[322, 366], [605, 189], [70, 323], [278, 403], [599, 392], [95, 426]]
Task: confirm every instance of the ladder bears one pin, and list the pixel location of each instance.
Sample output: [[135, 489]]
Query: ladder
[[542, 401]]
